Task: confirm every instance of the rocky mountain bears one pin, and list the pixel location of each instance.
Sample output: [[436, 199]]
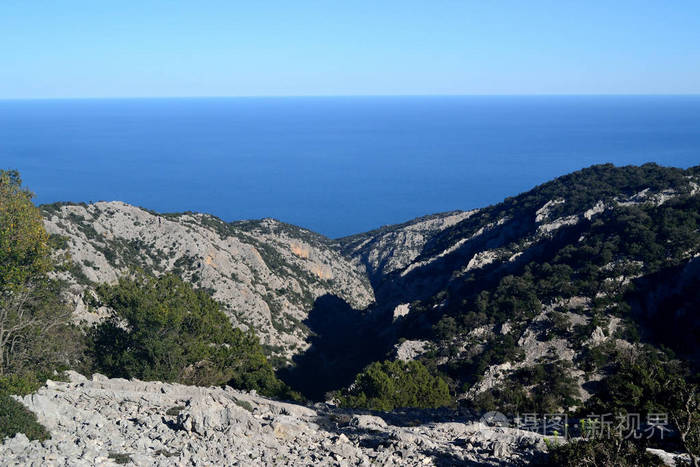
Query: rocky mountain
[[587, 264], [570, 297], [267, 274], [554, 280]]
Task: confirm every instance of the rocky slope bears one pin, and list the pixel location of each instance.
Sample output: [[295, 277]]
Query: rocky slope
[[394, 247], [429, 288], [550, 275], [266, 273], [506, 302], [108, 421]]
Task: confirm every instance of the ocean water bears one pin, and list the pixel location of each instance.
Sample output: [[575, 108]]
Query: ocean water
[[335, 165]]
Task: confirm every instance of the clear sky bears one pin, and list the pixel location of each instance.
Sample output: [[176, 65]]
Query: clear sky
[[142, 48]]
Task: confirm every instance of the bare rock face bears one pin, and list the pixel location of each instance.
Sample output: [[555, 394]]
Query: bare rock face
[[108, 421], [392, 248], [409, 350], [266, 273]]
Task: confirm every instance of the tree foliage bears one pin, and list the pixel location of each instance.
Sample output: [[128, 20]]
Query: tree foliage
[[648, 381], [24, 249], [641, 381], [621, 261], [35, 329], [396, 384], [163, 329]]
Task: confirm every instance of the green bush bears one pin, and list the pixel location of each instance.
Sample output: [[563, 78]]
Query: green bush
[[15, 418], [546, 387], [605, 452], [120, 457], [595, 259], [389, 385], [163, 329], [36, 336], [24, 383], [648, 381]]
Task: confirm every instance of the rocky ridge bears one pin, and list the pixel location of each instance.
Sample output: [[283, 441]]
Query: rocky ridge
[[267, 274], [492, 243], [394, 247]]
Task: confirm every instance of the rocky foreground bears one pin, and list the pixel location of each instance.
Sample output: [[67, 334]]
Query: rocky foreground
[[114, 421]]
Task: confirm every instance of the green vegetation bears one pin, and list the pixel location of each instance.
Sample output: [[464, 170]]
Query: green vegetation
[[26, 382], [174, 411], [166, 453], [602, 452], [612, 267], [33, 322], [15, 418], [641, 382], [580, 189], [120, 458], [468, 370], [621, 242], [543, 388], [36, 337], [649, 381], [163, 329], [588, 261], [395, 384], [245, 405], [279, 227], [632, 263]]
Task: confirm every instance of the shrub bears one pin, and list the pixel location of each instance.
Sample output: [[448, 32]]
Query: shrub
[[389, 385], [23, 384], [174, 411], [604, 452], [163, 329], [546, 387], [15, 418], [647, 381], [120, 458]]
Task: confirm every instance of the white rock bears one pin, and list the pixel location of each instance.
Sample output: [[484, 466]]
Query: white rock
[[92, 419]]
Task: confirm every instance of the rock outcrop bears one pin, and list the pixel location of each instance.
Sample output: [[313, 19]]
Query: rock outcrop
[[394, 247], [108, 421]]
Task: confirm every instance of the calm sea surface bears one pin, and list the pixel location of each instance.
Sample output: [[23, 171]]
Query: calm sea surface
[[334, 165]]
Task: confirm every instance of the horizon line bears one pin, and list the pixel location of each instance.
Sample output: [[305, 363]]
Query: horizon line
[[292, 96]]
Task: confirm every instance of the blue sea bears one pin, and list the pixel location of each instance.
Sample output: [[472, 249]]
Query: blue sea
[[335, 165]]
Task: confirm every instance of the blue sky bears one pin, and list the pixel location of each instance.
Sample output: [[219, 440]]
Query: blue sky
[[227, 48]]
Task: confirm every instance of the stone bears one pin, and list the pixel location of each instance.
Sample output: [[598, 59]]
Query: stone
[[501, 450], [368, 422], [94, 419], [285, 430]]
